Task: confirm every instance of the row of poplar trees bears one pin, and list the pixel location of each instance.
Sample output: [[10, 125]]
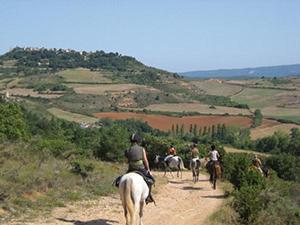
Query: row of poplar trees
[[215, 131]]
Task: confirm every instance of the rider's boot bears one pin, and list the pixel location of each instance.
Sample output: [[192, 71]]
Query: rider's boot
[[150, 199]]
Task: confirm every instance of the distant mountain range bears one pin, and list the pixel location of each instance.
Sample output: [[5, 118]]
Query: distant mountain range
[[268, 71]]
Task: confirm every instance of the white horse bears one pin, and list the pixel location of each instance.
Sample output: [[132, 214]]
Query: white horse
[[195, 167], [174, 162], [133, 192]]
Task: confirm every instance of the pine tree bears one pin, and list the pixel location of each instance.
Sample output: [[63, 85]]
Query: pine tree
[[213, 131], [173, 129], [182, 130], [200, 131], [195, 130]]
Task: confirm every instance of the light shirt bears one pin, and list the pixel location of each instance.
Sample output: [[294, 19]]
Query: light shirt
[[214, 155]]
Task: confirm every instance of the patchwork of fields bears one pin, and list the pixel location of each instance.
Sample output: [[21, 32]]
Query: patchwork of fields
[[165, 123]]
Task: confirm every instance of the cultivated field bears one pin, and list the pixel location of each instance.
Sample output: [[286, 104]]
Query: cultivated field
[[74, 117], [81, 75], [292, 114], [217, 87], [165, 122], [29, 93], [102, 89], [195, 107], [259, 97], [269, 127]]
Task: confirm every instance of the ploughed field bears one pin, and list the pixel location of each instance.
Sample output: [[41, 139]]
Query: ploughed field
[[165, 123]]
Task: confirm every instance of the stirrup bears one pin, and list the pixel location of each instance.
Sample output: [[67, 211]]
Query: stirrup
[[150, 199]]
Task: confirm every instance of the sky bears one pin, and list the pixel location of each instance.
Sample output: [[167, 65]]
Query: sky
[[175, 35]]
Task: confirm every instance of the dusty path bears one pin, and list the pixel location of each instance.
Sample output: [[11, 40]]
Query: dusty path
[[179, 202]]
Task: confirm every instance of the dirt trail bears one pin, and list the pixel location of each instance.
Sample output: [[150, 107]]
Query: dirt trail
[[179, 202]]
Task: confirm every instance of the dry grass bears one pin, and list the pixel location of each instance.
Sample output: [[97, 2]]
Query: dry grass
[[74, 117], [29, 92], [269, 127], [259, 97], [14, 82], [102, 89], [236, 150], [274, 111], [195, 107], [81, 75], [213, 87]]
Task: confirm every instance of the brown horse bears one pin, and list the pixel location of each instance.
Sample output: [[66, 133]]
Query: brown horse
[[215, 171]]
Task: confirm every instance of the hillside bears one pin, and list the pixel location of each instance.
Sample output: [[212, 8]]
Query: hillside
[[268, 71], [77, 85], [90, 82]]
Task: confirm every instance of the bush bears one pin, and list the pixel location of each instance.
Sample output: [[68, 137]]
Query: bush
[[248, 203], [113, 143], [12, 122], [287, 166]]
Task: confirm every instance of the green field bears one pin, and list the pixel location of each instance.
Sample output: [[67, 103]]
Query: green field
[[212, 87], [258, 97], [74, 117], [81, 75]]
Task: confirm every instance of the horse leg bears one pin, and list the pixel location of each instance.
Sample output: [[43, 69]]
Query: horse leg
[[141, 212]]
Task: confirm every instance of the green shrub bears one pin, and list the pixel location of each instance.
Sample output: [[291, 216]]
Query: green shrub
[[248, 203]]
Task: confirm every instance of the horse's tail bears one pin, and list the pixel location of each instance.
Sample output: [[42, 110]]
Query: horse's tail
[[127, 201], [218, 171], [181, 165]]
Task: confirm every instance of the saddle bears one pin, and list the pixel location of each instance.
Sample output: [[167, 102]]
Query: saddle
[[147, 178]]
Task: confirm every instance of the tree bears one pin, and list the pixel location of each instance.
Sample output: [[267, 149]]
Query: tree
[[113, 142], [12, 122], [195, 130], [294, 147], [177, 129], [173, 129], [200, 131], [182, 130], [258, 117], [213, 131]]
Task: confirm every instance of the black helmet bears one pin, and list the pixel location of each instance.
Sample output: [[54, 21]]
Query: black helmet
[[135, 138]]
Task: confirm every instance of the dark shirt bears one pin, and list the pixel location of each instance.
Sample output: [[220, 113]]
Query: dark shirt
[[135, 156]]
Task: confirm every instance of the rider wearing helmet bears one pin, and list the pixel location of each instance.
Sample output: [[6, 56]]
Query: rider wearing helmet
[[137, 161]]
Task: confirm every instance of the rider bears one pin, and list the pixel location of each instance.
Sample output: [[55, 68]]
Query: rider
[[257, 163], [214, 157], [171, 153], [194, 154], [137, 161]]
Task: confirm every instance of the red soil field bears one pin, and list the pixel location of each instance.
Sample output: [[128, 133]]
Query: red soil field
[[165, 123]]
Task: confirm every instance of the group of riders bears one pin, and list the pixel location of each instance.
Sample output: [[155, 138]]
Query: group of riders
[[137, 160]]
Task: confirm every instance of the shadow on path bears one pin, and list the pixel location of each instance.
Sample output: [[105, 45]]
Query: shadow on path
[[91, 222], [215, 196], [175, 182], [192, 188]]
